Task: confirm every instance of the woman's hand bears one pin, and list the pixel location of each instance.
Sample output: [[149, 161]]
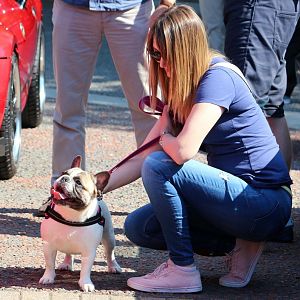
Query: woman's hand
[[163, 6], [158, 11], [186, 144]]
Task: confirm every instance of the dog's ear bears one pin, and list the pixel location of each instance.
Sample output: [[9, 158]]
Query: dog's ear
[[76, 162], [102, 180]]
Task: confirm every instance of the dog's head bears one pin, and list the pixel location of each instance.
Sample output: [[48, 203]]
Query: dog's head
[[77, 188]]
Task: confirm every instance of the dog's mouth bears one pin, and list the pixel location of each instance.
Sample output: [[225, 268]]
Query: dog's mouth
[[58, 193], [60, 197]]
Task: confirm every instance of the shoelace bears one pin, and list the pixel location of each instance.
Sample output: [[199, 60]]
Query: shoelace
[[158, 271], [231, 260]]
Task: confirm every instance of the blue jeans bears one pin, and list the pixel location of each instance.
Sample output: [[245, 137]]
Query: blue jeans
[[194, 203]]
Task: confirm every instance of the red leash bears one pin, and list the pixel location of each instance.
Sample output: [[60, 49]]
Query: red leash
[[144, 105]]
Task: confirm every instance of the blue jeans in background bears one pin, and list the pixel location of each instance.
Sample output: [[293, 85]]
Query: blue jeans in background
[[194, 206]]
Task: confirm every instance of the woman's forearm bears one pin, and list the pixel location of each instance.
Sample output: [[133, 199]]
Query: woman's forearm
[[125, 174], [129, 171]]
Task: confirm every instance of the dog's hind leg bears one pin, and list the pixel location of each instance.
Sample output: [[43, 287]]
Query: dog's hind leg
[[108, 241], [68, 263]]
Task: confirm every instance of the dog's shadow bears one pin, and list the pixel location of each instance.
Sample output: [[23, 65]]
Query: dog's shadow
[[18, 225]]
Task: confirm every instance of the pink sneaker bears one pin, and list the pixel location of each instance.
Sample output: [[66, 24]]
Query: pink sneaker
[[168, 278], [242, 264]]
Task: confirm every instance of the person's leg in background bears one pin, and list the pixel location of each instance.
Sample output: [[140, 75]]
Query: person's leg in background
[[213, 18], [292, 58], [257, 47], [126, 34], [76, 43]]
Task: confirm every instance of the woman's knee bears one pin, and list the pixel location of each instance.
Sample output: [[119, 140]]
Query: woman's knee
[[155, 163]]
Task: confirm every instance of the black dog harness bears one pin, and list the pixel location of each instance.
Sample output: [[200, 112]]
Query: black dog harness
[[51, 213]]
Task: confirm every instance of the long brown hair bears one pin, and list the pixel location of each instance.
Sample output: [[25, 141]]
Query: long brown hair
[[182, 41]]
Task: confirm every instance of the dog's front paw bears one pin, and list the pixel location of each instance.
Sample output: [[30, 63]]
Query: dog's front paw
[[86, 285], [48, 277], [113, 267]]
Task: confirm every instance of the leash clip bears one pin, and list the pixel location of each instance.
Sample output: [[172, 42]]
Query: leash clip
[[99, 195]]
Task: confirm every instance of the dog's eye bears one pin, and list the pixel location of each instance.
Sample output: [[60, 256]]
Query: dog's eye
[[78, 182]]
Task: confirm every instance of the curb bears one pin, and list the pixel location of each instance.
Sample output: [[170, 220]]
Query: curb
[[57, 295]]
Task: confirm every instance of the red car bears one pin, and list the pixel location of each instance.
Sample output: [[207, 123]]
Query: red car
[[22, 68]]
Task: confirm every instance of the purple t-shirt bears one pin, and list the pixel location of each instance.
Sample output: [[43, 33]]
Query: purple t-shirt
[[241, 142]]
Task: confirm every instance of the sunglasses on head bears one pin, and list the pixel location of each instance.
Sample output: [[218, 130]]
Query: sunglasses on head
[[155, 54]]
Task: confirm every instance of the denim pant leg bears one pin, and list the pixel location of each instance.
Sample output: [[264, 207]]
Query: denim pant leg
[[219, 198], [143, 229]]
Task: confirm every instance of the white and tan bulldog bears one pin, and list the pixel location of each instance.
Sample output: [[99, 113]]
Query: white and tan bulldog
[[75, 203]]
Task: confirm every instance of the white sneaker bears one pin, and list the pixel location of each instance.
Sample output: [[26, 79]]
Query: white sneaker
[[168, 278]]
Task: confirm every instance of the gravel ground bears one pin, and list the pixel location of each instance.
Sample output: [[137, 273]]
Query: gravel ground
[[110, 138]]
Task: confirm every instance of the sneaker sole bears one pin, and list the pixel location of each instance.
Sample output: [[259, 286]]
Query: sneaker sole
[[164, 290], [249, 274]]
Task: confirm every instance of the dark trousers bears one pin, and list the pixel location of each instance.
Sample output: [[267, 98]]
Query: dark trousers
[[257, 35], [292, 56]]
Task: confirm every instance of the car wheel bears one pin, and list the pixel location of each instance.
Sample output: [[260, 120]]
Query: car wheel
[[32, 114], [10, 132]]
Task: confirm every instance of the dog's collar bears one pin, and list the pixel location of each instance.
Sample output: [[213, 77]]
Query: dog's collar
[[51, 213]]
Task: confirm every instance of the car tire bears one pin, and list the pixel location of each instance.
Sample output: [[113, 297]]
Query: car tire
[[33, 112], [10, 132]]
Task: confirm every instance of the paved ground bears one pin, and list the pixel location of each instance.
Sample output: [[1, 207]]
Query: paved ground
[[110, 138]]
